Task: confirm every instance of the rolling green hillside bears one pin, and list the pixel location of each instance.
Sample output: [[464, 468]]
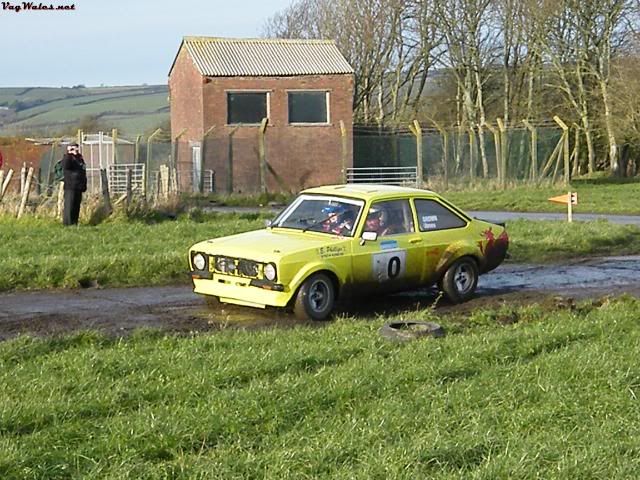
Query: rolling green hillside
[[49, 111]]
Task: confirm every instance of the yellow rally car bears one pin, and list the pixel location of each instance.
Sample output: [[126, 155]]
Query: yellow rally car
[[342, 240]]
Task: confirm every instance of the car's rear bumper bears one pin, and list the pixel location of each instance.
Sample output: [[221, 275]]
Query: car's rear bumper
[[242, 291]]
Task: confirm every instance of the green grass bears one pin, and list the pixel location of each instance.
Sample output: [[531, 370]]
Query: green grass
[[54, 108], [115, 253], [549, 241], [554, 396], [122, 252], [594, 196]]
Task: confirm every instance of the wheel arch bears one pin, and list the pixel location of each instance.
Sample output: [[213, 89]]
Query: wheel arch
[[455, 253], [316, 268]]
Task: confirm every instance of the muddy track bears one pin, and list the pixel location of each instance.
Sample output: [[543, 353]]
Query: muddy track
[[119, 311]]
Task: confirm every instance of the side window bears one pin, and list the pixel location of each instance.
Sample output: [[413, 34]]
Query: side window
[[308, 107], [389, 218], [246, 107], [435, 216]]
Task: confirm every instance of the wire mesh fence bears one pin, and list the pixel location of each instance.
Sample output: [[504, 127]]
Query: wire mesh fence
[[462, 157], [251, 159]]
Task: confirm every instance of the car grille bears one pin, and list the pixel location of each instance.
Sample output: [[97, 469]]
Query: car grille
[[238, 267]]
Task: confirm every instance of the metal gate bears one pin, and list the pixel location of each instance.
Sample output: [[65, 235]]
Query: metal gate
[[117, 175], [388, 175]]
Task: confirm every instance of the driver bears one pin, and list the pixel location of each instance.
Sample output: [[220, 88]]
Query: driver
[[375, 221], [339, 219]]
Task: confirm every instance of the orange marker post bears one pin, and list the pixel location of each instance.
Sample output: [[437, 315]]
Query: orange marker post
[[570, 199]]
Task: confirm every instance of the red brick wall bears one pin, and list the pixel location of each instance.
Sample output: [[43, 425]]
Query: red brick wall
[[301, 156], [185, 97]]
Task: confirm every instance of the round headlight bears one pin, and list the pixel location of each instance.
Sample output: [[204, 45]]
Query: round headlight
[[199, 261], [270, 272]]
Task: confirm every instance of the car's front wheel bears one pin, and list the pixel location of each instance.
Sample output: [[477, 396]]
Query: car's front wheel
[[316, 298], [460, 280]]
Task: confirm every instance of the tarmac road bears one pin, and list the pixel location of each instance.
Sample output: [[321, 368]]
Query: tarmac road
[[485, 215]]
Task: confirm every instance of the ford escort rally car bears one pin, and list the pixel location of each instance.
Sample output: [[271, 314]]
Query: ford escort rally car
[[343, 240]]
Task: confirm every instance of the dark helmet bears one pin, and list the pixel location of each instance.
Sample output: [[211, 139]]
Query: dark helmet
[[334, 210]]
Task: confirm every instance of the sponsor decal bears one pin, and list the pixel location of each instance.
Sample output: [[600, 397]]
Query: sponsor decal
[[388, 244], [331, 251], [429, 226]]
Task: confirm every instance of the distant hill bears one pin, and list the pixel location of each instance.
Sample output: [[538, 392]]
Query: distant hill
[[50, 111]]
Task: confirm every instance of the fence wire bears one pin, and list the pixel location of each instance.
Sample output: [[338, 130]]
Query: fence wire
[[465, 160]]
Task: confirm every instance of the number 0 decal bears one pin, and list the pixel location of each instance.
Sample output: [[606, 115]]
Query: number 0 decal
[[389, 265], [394, 267]]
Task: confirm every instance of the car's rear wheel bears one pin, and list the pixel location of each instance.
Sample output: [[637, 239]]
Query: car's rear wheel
[[460, 280], [316, 298]]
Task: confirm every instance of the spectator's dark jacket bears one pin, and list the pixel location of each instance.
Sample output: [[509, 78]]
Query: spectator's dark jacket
[[75, 173]]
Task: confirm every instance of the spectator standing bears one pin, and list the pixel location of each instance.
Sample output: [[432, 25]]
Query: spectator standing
[[75, 183]]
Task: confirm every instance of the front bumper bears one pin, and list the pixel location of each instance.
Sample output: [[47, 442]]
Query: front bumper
[[240, 291]]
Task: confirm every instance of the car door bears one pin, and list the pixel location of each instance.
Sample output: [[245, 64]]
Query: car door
[[394, 261], [439, 226]]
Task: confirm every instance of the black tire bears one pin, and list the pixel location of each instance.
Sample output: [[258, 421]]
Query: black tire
[[410, 330], [460, 280], [316, 298]]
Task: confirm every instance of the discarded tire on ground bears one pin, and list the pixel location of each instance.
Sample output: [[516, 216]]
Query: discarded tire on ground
[[410, 330]]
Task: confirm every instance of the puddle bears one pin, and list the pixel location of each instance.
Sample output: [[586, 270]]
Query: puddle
[[600, 273]]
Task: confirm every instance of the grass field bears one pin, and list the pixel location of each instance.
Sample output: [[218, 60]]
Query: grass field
[[133, 110], [43, 254], [602, 195], [554, 396]]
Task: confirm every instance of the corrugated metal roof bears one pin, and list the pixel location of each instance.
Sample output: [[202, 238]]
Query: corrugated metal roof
[[228, 57]]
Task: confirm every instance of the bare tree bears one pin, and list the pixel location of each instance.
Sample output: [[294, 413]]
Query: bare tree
[[471, 42]]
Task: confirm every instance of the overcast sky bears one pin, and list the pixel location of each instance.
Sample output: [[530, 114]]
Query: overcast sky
[[114, 42]]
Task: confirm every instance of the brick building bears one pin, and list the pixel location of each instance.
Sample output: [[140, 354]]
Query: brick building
[[221, 89]]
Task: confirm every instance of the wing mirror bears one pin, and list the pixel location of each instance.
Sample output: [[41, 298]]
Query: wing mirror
[[268, 223], [368, 237]]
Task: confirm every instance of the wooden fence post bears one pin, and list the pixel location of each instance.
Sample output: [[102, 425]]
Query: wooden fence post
[[576, 151], [1, 183], [5, 185], [504, 153], [472, 154], [23, 177], [158, 186], [445, 153], [565, 145], [534, 150], [128, 187], [175, 153], [50, 171], [164, 175], [25, 193], [104, 183], [419, 165], [343, 136], [262, 154], [498, 148], [60, 200]]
